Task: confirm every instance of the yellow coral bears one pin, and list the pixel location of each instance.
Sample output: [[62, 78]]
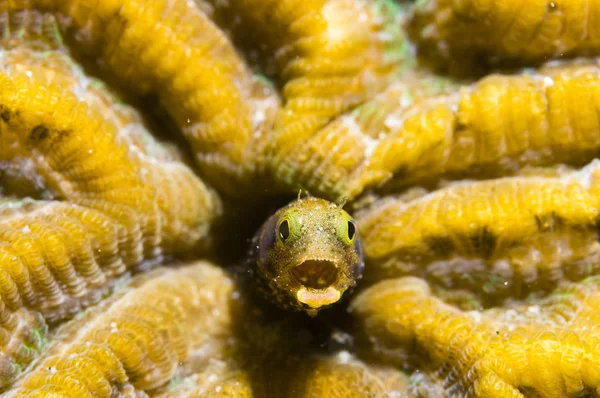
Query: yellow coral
[[358, 112], [81, 155], [343, 376], [330, 55], [494, 127], [348, 155], [212, 100], [136, 339], [546, 349], [218, 379], [125, 196], [526, 31], [501, 237], [55, 259]]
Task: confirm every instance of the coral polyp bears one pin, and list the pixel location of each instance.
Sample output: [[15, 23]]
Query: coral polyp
[[142, 140]]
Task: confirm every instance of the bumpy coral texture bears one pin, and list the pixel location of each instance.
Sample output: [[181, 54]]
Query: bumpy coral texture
[[128, 126]]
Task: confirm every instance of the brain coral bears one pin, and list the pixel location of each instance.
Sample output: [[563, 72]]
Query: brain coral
[[140, 139]]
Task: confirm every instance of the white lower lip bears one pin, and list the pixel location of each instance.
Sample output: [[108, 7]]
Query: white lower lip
[[317, 298]]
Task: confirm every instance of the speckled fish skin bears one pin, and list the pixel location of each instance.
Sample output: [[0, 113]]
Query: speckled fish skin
[[307, 255]]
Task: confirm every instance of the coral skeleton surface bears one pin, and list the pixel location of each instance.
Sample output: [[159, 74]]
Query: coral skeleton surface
[[140, 139]]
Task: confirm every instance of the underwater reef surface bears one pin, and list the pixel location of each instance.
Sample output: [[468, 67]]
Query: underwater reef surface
[[141, 141]]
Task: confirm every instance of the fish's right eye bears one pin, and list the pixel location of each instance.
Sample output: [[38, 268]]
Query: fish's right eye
[[284, 230]]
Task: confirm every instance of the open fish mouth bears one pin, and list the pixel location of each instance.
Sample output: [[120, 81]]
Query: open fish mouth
[[316, 274], [317, 278]]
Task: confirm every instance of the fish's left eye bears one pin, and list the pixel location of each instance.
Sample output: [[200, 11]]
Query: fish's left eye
[[351, 230]]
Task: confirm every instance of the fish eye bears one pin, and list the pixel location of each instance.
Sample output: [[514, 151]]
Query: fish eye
[[284, 230], [351, 230], [346, 229]]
